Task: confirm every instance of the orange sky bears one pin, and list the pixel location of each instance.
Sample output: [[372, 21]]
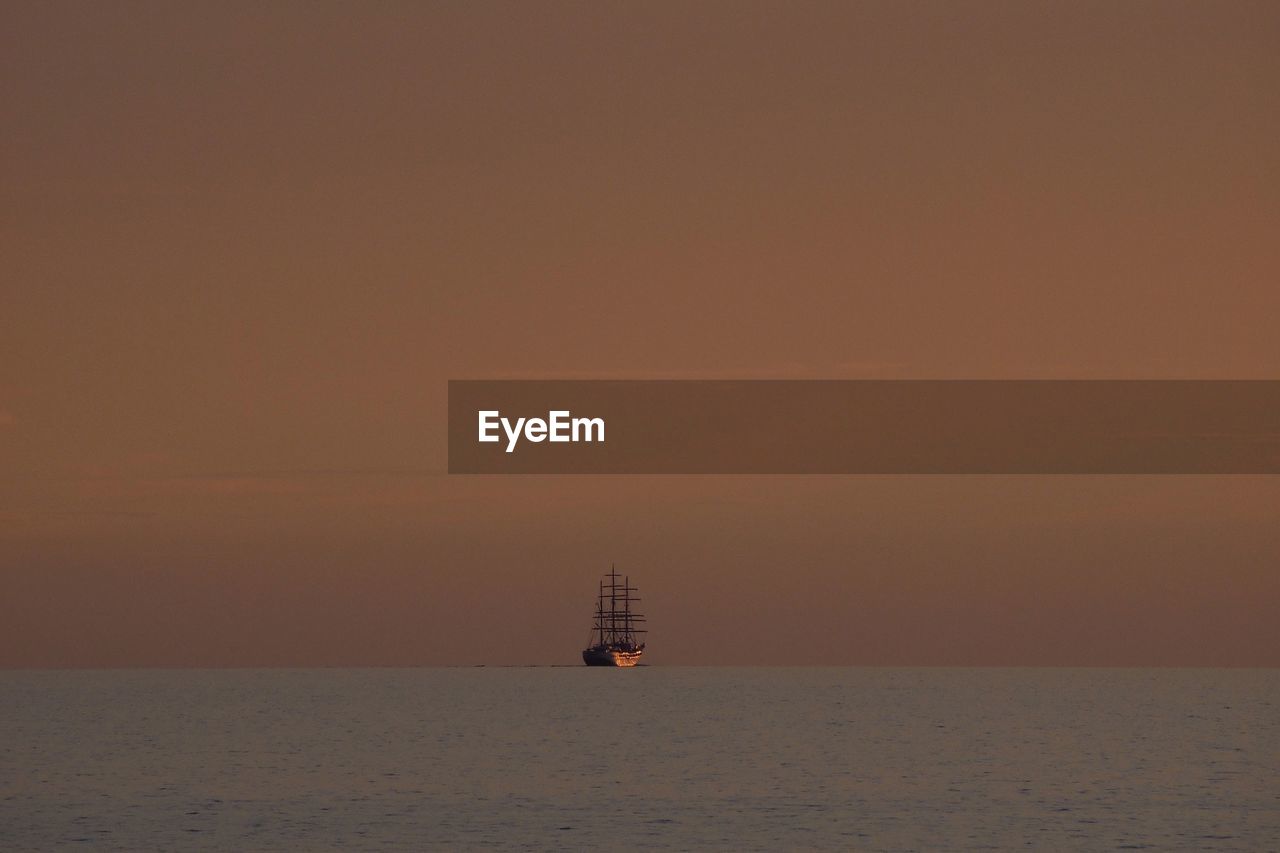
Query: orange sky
[[244, 248]]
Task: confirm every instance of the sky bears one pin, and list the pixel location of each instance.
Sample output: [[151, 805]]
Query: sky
[[245, 246]]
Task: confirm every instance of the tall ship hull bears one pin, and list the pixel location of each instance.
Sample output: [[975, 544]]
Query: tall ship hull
[[615, 635], [611, 657]]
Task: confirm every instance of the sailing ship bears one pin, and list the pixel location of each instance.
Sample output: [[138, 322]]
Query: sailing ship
[[614, 636]]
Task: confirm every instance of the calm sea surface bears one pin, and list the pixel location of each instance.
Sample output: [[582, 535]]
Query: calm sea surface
[[651, 758]]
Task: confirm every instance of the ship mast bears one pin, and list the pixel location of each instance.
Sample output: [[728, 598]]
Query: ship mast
[[613, 603], [600, 612], [616, 626]]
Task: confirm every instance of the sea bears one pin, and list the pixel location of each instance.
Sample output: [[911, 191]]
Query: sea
[[652, 758]]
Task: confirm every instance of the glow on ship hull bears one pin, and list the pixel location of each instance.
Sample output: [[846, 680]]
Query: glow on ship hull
[[610, 657]]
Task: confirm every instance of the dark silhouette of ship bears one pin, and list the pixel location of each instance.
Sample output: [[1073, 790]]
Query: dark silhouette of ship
[[613, 640]]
